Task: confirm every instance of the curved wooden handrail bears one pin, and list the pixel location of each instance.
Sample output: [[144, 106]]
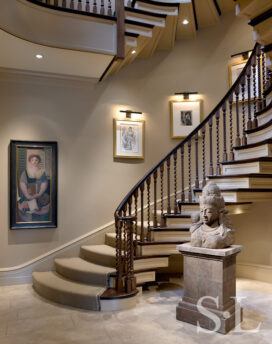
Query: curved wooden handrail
[[234, 114], [190, 136]]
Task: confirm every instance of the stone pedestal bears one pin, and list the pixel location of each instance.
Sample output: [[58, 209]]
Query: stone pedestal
[[210, 273]]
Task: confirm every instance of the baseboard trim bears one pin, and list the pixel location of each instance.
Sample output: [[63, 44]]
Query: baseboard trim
[[255, 271]]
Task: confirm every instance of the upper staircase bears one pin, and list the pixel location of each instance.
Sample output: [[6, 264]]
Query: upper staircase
[[110, 34], [232, 146]]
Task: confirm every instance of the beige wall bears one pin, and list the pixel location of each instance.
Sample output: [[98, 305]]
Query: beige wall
[[79, 117]]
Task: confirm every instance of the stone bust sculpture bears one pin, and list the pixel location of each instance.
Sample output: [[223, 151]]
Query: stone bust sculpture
[[212, 229]]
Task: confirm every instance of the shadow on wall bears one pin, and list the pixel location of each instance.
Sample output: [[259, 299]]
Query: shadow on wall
[[129, 161], [31, 236]]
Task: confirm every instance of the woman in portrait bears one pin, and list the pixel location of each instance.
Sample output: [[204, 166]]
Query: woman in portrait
[[33, 184]]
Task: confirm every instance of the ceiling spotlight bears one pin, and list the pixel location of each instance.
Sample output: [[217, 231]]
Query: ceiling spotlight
[[133, 52], [39, 56], [185, 21]]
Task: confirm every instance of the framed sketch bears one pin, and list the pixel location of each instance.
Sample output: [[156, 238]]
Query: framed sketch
[[235, 70], [33, 184], [186, 115], [128, 138]]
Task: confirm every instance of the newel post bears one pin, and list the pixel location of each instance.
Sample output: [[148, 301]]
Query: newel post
[[120, 15]]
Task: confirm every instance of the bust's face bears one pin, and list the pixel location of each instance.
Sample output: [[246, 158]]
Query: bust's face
[[209, 215]]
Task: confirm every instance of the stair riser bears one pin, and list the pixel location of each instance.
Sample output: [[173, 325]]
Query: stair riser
[[156, 22], [260, 136], [111, 241], [255, 152], [264, 118], [157, 249], [245, 196], [171, 236], [245, 168], [133, 29], [244, 183], [157, 9], [150, 263], [144, 277], [233, 209], [176, 222], [118, 304]]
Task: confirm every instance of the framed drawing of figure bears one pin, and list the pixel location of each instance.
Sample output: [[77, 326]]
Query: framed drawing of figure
[[128, 138], [185, 116], [33, 184]]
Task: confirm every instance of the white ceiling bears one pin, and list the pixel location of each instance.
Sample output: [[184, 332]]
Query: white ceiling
[[19, 54]]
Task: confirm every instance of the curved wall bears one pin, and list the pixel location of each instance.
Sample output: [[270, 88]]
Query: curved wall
[[80, 118]]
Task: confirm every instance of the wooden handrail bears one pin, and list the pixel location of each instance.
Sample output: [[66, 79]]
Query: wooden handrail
[[233, 115], [191, 135]]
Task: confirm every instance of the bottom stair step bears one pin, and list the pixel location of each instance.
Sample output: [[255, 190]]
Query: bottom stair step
[[56, 288]]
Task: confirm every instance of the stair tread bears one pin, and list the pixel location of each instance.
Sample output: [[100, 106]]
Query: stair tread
[[82, 265], [104, 249], [181, 227], [55, 281], [261, 127], [268, 107], [226, 203], [174, 216], [143, 12], [137, 23], [170, 229], [156, 3], [252, 145], [246, 161], [241, 190], [155, 243], [243, 175]]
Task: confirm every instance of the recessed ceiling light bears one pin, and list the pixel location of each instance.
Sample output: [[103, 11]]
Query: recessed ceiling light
[[133, 52], [39, 56], [185, 21]]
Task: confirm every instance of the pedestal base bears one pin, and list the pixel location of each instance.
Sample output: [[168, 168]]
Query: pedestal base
[[210, 288], [215, 320]]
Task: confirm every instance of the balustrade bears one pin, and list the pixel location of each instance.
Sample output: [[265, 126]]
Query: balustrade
[[187, 166], [103, 7]]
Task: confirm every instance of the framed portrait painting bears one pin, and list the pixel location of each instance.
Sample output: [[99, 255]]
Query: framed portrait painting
[[128, 138], [33, 184], [186, 115]]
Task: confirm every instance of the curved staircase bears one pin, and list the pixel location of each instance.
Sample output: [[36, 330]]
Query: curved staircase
[[232, 146]]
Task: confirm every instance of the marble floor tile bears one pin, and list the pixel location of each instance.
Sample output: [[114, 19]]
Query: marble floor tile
[[26, 318]]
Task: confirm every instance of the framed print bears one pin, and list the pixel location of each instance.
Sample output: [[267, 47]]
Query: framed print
[[186, 115], [128, 138], [234, 71], [33, 184]]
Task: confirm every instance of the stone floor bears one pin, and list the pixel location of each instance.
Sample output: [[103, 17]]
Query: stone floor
[[27, 318]]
